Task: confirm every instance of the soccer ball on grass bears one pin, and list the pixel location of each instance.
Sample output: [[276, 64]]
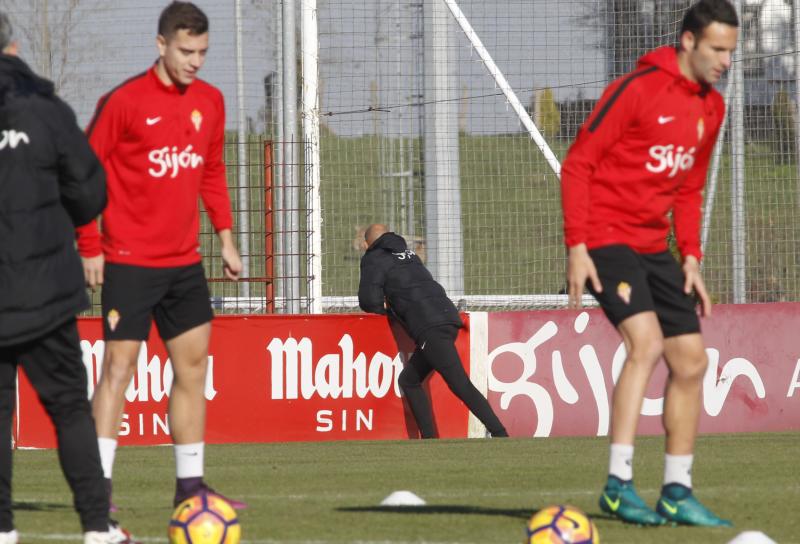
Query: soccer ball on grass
[[204, 519], [561, 524]]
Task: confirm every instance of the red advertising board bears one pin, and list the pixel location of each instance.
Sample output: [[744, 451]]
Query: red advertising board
[[551, 373], [272, 378]]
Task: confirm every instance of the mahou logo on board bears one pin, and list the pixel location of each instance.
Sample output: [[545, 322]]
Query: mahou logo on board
[[296, 373], [152, 380], [145, 414]]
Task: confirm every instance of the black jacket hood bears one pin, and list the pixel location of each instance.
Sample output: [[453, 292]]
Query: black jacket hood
[[390, 241], [50, 181], [17, 78], [394, 281]]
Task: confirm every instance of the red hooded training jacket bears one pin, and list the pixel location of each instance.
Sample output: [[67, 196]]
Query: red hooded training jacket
[[643, 152]]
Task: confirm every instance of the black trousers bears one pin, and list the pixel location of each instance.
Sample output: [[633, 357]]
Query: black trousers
[[53, 364], [436, 350]]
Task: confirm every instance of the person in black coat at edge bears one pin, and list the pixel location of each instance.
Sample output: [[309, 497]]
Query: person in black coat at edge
[[50, 181], [395, 282]]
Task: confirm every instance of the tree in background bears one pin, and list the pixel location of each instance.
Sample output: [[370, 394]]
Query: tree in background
[[47, 30], [545, 113], [634, 27]]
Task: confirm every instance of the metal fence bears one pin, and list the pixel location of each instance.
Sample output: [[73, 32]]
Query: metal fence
[[424, 111]]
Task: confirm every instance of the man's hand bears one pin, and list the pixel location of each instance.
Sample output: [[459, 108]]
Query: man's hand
[[93, 270], [580, 268], [694, 280], [231, 262]]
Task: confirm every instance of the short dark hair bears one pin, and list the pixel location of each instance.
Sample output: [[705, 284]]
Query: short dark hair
[[6, 34], [182, 16], [705, 12]]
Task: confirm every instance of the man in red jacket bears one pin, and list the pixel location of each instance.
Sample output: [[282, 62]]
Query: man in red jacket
[[160, 137], [643, 153]]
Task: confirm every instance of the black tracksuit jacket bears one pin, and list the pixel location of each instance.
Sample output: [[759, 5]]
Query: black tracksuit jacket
[[392, 273], [50, 181]]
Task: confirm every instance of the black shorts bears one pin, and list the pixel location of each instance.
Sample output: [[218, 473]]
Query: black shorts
[[132, 296], [642, 282]]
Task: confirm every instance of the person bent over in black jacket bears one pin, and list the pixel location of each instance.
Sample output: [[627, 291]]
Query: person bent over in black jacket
[[394, 281], [50, 181]]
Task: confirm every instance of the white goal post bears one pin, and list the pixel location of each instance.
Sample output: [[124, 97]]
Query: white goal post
[[502, 83]]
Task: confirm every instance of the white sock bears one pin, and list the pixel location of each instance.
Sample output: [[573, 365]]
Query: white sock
[[678, 469], [96, 537], [620, 462], [108, 448], [189, 460]]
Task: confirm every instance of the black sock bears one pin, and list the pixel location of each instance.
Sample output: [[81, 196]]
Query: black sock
[[675, 491], [618, 480], [186, 487]]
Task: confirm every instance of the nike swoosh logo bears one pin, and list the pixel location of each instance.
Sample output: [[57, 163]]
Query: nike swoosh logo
[[664, 120], [614, 505], [153, 121], [669, 508]]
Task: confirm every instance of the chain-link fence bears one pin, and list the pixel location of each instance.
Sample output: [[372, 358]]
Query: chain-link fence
[[557, 57], [419, 108]]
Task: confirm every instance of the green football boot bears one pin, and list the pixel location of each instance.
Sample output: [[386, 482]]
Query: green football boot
[[621, 501], [678, 505]]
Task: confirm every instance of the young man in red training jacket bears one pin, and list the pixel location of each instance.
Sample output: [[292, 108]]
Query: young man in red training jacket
[[643, 153], [160, 138]]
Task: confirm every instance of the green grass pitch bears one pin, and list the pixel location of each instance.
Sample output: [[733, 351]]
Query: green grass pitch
[[477, 491]]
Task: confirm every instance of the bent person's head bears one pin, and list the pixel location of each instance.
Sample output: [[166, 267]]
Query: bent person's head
[[374, 232]]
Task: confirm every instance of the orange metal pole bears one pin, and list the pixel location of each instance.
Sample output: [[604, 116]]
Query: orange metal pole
[[269, 240]]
